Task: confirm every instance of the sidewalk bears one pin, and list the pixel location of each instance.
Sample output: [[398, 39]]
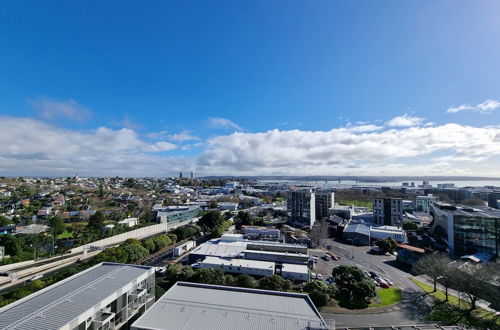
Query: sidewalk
[[480, 303]]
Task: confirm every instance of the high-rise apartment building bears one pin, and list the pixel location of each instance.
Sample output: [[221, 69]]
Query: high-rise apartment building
[[388, 211], [324, 202], [301, 208], [494, 199]]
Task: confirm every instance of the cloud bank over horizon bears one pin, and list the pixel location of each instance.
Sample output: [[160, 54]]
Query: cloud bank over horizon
[[34, 147]]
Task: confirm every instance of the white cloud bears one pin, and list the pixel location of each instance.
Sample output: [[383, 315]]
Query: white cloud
[[405, 121], [183, 136], [408, 151], [364, 128], [159, 146], [33, 147], [216, 122], [52, 109], [486, 107]]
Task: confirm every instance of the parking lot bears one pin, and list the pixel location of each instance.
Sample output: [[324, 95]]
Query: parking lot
[[355, 256]]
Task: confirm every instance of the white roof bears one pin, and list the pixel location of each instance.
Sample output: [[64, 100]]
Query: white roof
[[239, 263], [213, 307], [129, 220], [293, 268]]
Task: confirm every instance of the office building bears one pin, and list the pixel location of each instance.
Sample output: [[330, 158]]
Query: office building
[[213, 307], [301, 208], [383, 232], [422, 202], [324, 201], [176, 213], [467, 230], [457, 195], [261, 232], [494, 199], [388, 211], [105, 296]]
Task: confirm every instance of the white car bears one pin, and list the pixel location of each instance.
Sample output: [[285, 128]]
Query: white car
[[313, 276], [388, 281], [319, 277]]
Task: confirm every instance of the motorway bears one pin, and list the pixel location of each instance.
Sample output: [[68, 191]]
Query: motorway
[[414, 308]]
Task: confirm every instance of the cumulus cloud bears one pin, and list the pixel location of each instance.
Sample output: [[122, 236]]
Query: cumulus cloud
[[183, 136], [217, 122], [343, 151], [33, 147], [127, 122], [486, 107], [405, 120], [53, 109]]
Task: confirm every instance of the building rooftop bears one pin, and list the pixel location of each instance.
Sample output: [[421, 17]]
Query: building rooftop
[[239, 263], [295, 268], [212, 307], [59, 304]]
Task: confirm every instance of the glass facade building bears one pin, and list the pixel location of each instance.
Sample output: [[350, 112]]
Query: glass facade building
[[476, 234]]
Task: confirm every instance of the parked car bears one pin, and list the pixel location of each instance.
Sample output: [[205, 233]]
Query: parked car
[[373, 275], [315, 258], [313, 276], [329, 247], [366, 273], [388, 281], [327, 257], [384, 284], [319, 276]]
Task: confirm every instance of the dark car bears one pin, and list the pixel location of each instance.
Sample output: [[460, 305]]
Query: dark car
[[373, 274]]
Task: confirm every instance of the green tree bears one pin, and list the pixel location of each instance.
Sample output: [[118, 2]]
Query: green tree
[[209, 275], [211, 219], [96, 220], [363, 291], [213, 205], [101, 190], [353, 286], [4, 221], [56, 225], [387, 245], [274, 282], [246, 281], [243, 219], [320, 293], [135, 252]]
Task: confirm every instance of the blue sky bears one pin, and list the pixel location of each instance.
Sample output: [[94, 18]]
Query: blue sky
[[168, 83]]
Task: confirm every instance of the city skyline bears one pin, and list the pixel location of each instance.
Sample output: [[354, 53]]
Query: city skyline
[[228, 88]]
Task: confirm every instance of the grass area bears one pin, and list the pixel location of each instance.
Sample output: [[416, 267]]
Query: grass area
[[386, 297], [354, 202], [441, 296], [65, 234], [456, 311]]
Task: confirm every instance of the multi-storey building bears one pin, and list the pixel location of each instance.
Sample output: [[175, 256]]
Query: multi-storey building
[[177, 213], [467, 230], [105, 296], [422, 202], [494, 199], [324, 201], [388, 211], [301, 208]]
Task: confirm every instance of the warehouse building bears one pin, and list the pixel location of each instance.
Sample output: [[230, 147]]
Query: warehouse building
[[239, 266], [105, 296], [213, 307]]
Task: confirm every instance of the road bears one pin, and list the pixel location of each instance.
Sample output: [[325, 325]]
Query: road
[[414, 307]]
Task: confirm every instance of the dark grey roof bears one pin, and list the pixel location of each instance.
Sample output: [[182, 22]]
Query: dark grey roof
[[60, 303], [212, 307]]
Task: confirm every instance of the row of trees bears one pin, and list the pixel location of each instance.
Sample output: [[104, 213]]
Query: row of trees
[[473, 281], [319, 292]]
